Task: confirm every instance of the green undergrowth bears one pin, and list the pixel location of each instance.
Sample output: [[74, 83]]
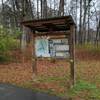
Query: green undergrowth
[[9, 41], [85, 90]]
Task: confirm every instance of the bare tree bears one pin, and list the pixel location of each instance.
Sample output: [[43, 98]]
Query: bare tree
[[44, 8], [38, 9], [80, 25], [61, 8]]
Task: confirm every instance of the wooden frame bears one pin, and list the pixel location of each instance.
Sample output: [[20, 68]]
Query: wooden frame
[[55, 28]]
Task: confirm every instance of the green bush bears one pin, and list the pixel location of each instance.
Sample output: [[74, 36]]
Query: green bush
[[8, 41]]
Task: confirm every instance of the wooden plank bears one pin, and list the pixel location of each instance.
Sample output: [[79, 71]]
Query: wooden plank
[[52, 33], [36, 24], [49, 28], [60, 37], [53, 36], [66, 18], [46, 19], [50, 58]]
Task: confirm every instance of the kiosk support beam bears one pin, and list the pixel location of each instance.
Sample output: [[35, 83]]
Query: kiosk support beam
[[72, 55], [34, 67]]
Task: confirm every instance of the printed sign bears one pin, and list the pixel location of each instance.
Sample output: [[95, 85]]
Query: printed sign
[[52, 48]]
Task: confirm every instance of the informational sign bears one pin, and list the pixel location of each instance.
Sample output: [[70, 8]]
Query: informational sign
[[41, 48], [58, 48]]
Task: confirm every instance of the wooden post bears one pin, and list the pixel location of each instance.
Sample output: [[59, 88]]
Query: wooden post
[[72, 55], [34, 67], [23, 44]]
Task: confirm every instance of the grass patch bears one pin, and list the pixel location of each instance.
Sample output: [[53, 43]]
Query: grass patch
[[85, 90], [51, 79]]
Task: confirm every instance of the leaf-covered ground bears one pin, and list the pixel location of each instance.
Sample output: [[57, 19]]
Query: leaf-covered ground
[[54, 78], [15, 73]]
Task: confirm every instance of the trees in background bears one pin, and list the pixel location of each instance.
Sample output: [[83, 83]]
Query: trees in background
[[86, 14]]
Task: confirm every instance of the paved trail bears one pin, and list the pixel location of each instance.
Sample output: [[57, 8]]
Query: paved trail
[[9, 92]]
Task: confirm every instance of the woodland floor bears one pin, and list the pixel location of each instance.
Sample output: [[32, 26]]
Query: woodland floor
[[50, 80]]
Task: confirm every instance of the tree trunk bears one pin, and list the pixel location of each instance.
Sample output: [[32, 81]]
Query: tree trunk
[[37, 9], [84, 22], [88, 23], [43, 8], [61, 8], [80, 25]]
